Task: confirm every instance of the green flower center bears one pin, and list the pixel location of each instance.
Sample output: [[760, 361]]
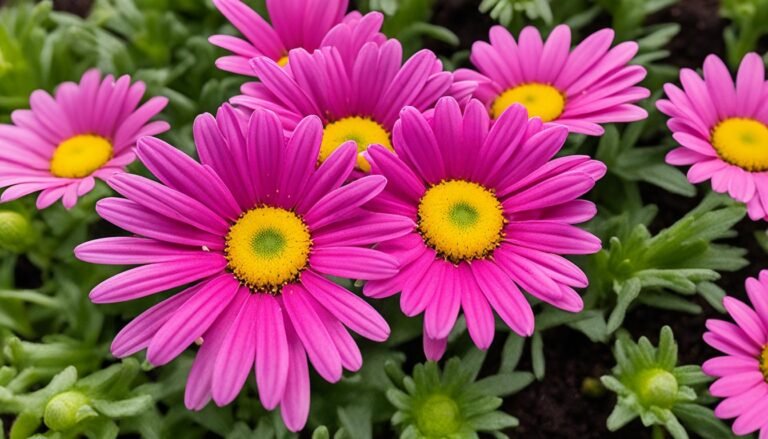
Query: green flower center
[[438, 416], [657, 387]]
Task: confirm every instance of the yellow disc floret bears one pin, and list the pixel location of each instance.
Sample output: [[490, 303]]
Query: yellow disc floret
[[80, 155], [282, 62], [364, 131], [764, 362], [742, 142], [267, 248], [461, 220], [540, 100]]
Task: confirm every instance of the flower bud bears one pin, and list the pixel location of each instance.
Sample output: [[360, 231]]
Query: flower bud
[[657, 387], [62, 410], [16, 233], [438, 416]]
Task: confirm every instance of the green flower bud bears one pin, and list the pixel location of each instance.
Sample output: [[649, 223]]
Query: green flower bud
[[61, 412], [438, 416], [16, 233], [657, 387]]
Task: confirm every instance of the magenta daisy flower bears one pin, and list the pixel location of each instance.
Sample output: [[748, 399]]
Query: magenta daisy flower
[[494, 213], [253, 231], [743, 371], [723, 129], [357, 98], [87, 131], [579, 88], [308, 24]]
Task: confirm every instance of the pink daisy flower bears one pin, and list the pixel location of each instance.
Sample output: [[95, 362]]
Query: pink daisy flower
[[252, 231], [357, 98], [723, 129], [579, 88], [493, 213], [87, 131], [743, 371], [306, 24]]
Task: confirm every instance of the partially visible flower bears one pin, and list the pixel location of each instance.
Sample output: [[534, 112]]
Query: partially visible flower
[[447, 404], [358, 99], [494, 213], [580, 88], [308, 24], [255, 229], [743, 371], [723, 129], [87, 131], [651, 385]]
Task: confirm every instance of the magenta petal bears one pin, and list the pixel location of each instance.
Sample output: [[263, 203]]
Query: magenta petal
[[736, 405], [236, 355], [340, 202], [198, 391], [421, 287], [153, 278], [732, 385], [477, 312], [350, 309], [192, 319], [504, 296], [747, 319], [728, 365], [441, 313], [295, 403], [314, 337], [353, 262], [132, 251], [272, 352], [753, 417], [434, 349], [137, 334]]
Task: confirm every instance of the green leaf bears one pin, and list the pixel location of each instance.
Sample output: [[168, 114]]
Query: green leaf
[[626, 295], [356, 420], [123, 408], [503, 384], [494, 421], [620, 416], [511, 353], [702, 421], [537, 355]]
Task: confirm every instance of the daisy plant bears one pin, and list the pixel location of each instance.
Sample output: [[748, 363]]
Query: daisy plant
[[579, 89], [294, 24], [354, 103], [651, 385], [494, 212], [722, 129], [742, 370], [65, 142], [667, 269], [452, 403], [256, 229], [69, 406]]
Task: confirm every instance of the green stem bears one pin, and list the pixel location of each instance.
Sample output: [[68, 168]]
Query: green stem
[[657, 432]]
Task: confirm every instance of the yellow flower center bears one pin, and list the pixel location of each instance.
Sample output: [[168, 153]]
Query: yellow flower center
[[764, 362], [282, 62], [742, 142], [364, 131], [80, 155], [461, 220], [267, 248], [540, 100]]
